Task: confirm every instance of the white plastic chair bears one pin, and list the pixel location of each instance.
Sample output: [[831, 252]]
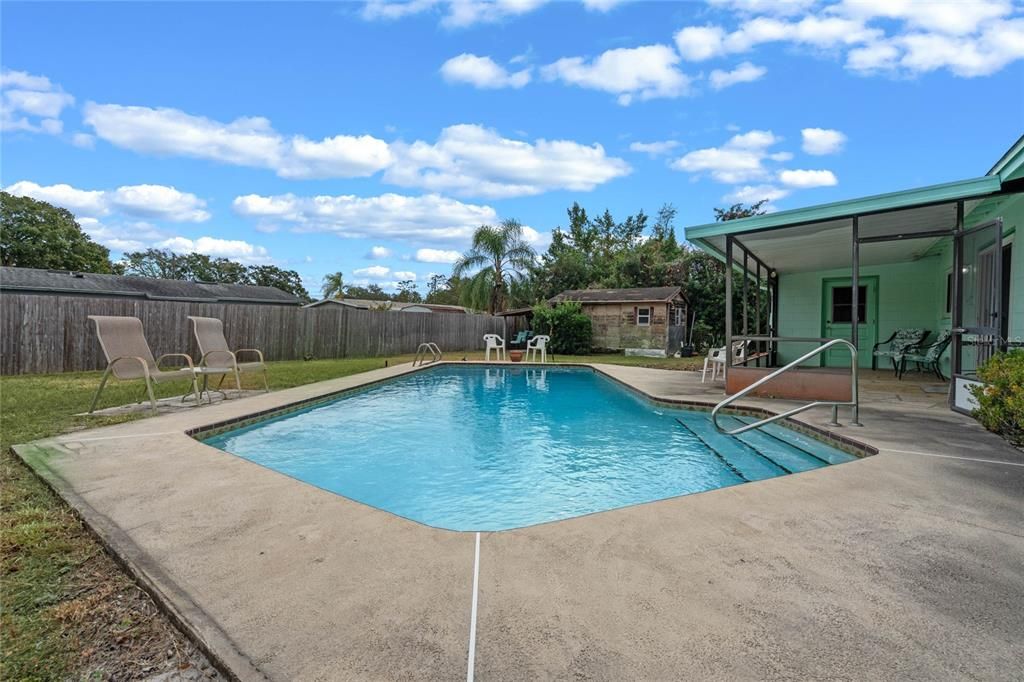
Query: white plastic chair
[[537, 343], [716, 359], [495, 343]]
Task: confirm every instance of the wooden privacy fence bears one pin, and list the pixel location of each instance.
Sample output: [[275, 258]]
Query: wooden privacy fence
[[52, 333]]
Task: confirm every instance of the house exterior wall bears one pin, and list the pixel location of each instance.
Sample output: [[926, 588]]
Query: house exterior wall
[[910, 294], [614, 326]]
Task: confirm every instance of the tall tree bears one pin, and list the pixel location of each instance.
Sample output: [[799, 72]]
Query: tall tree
[[498, 256], [444, 290], [35, 234], [333, 286], [407, 292], [273, 276], [371, 292]]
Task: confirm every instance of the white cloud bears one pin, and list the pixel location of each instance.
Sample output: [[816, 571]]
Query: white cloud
[[90, 203], [805, 179], [994, 48], [776, 7], [123, 236], [341, 156], [482, 72], [698, 43], [391, 10], [820, 141], [654, 148], [378, 252], [457, 13], [896, 37], [31, 103], [643, 73], [738, 160], [235, 249], [159, 202], [405, 274], [953, 17], [373, 272], [743, 73], [428, 218], [248, 141], [602, 5], [83, 140], [467, 159], [470, 160], [437, 256], [751, 194], [24, 81], [148, 201]]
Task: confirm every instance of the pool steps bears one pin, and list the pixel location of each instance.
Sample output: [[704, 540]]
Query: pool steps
[[765, 453]]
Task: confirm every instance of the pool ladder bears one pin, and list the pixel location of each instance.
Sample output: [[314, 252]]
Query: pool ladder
[[853, 402], [421, 354]]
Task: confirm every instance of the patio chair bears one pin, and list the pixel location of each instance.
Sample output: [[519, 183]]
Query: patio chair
[[209, 333], [495, 343], [900, 340], [926, 357], [538, 343], [129, 357], [522, 338], [716, 358]]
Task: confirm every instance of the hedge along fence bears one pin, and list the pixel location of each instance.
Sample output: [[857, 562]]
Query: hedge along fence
[[51, 333]]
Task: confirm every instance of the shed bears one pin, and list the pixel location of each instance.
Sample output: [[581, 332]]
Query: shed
[[651, 318]]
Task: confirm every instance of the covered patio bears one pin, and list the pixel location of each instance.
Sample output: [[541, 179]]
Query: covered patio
[[937, 261]]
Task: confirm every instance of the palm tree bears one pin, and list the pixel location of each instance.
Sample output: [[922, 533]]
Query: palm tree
[[500, 255], [334, 286]]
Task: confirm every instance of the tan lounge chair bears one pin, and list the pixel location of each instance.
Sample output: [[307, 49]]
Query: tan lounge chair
[[129, 357], [209, 333]]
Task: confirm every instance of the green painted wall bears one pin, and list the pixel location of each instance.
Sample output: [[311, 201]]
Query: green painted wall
[[911, 294]]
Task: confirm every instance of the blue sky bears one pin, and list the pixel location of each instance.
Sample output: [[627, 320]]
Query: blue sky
[[372, 137]]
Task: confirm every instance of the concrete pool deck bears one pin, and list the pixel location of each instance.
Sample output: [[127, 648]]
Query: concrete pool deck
[[906, 564]]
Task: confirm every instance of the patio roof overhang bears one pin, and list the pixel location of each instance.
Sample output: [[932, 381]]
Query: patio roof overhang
[[906, 225]]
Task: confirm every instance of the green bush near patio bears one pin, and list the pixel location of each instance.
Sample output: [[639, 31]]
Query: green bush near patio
[[1001, 398], [570, 330]]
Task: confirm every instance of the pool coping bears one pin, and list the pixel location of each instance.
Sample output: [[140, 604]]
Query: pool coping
[[198, 625]]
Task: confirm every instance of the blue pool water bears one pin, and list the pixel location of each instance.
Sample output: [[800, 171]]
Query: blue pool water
[[474, 448]]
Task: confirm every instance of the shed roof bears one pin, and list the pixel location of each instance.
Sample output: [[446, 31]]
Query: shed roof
[[34, 280], [639, 295]]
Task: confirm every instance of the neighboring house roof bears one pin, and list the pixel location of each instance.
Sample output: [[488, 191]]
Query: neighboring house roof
[[367, 304], [641, 295], [33, 280]]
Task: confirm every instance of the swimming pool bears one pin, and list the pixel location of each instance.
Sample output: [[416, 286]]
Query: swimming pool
[[494, 448]]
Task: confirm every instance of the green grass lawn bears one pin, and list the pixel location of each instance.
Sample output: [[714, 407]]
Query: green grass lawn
[[67, 610]]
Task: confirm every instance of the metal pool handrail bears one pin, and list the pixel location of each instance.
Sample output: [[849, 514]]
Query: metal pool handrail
[[421, 354], [854, 401]]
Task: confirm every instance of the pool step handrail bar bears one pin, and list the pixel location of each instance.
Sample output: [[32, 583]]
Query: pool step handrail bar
[[853, 401], [421, 354]]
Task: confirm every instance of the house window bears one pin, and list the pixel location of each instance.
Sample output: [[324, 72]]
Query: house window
[[842, 304], [643, 316], [677, 316]]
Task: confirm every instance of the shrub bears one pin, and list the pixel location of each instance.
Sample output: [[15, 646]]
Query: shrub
[[1001, 398], [568, 327]]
